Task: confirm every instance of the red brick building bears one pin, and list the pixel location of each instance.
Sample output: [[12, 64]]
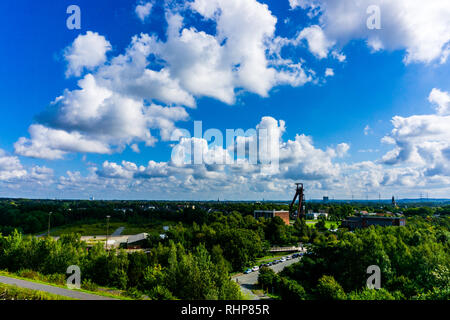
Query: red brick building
[[268, 214]]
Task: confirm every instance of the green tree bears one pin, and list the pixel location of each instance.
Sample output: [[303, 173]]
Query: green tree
[[329, 289]]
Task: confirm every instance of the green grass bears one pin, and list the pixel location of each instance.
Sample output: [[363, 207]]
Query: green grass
[[273, 296], [93, 229], [328, 224], [270, 258], [13, 292], [265, 259], [99, 228]]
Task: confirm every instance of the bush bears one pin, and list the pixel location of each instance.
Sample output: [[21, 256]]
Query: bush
[[89, 285], [267, 278], [134, 293], [29, 274], [372, 294], [329, 289], [291, 290], [55, 278]]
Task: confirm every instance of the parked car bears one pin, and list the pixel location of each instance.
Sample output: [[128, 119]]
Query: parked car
[[248, 271], [288, 258], [283, 259], [255, 268]]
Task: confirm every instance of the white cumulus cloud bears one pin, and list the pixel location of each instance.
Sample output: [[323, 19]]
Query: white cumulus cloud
[[143, 10], [86, 52], [421, 29]]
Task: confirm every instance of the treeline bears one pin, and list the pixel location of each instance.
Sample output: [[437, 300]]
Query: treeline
[[31, 216], [165, 272], [414, 262], [242, 238]]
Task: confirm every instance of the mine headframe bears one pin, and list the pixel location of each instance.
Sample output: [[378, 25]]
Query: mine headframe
[[300, 212]]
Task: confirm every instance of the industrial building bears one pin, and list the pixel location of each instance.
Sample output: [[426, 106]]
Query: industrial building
[[316, 215], [353, 223], [268, 214], [137, 241]]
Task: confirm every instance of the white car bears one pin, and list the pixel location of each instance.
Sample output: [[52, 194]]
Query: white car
[[283, 259], [255, 268]]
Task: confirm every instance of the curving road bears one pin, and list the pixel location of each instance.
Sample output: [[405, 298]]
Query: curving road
[[249, 281], [118, 231], [51, 289]]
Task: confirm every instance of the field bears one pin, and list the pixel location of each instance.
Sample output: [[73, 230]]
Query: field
[[328, 224], [99, 228]]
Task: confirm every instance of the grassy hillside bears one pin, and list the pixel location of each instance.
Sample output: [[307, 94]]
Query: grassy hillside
[[12, 292]]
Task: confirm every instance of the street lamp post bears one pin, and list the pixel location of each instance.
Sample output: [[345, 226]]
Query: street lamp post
[[48, 231], [107, 230]]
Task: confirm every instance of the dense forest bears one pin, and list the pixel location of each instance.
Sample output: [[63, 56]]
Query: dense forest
[[414, 262], [209, 241], [31, 216]]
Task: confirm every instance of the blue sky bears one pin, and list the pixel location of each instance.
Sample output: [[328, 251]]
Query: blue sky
[[381, 74]]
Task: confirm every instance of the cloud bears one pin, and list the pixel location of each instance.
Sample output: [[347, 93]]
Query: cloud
[[422, 142], [13, 175], [422, 30], [10, 167], [329, 72], [41, 175], [342, 149], [143, 10], [113, 170], [218, 169], [321, 169], [418, 139], [129, 74], [441, 100], [95, 119], [300, 159], [318, 43], [135, 148], [86, 52], [46, 143], [119, 101], [234, 57], [367, 130], [368, 150]]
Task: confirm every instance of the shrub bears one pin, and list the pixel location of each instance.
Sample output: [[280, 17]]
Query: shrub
[[329, 289]]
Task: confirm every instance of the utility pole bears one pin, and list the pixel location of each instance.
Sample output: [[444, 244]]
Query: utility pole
[[107, 230], [48, 231]]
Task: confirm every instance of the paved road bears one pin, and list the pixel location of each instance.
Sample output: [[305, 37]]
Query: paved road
[[118, 231], [252, 278], [249, 281], [51, 289]]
